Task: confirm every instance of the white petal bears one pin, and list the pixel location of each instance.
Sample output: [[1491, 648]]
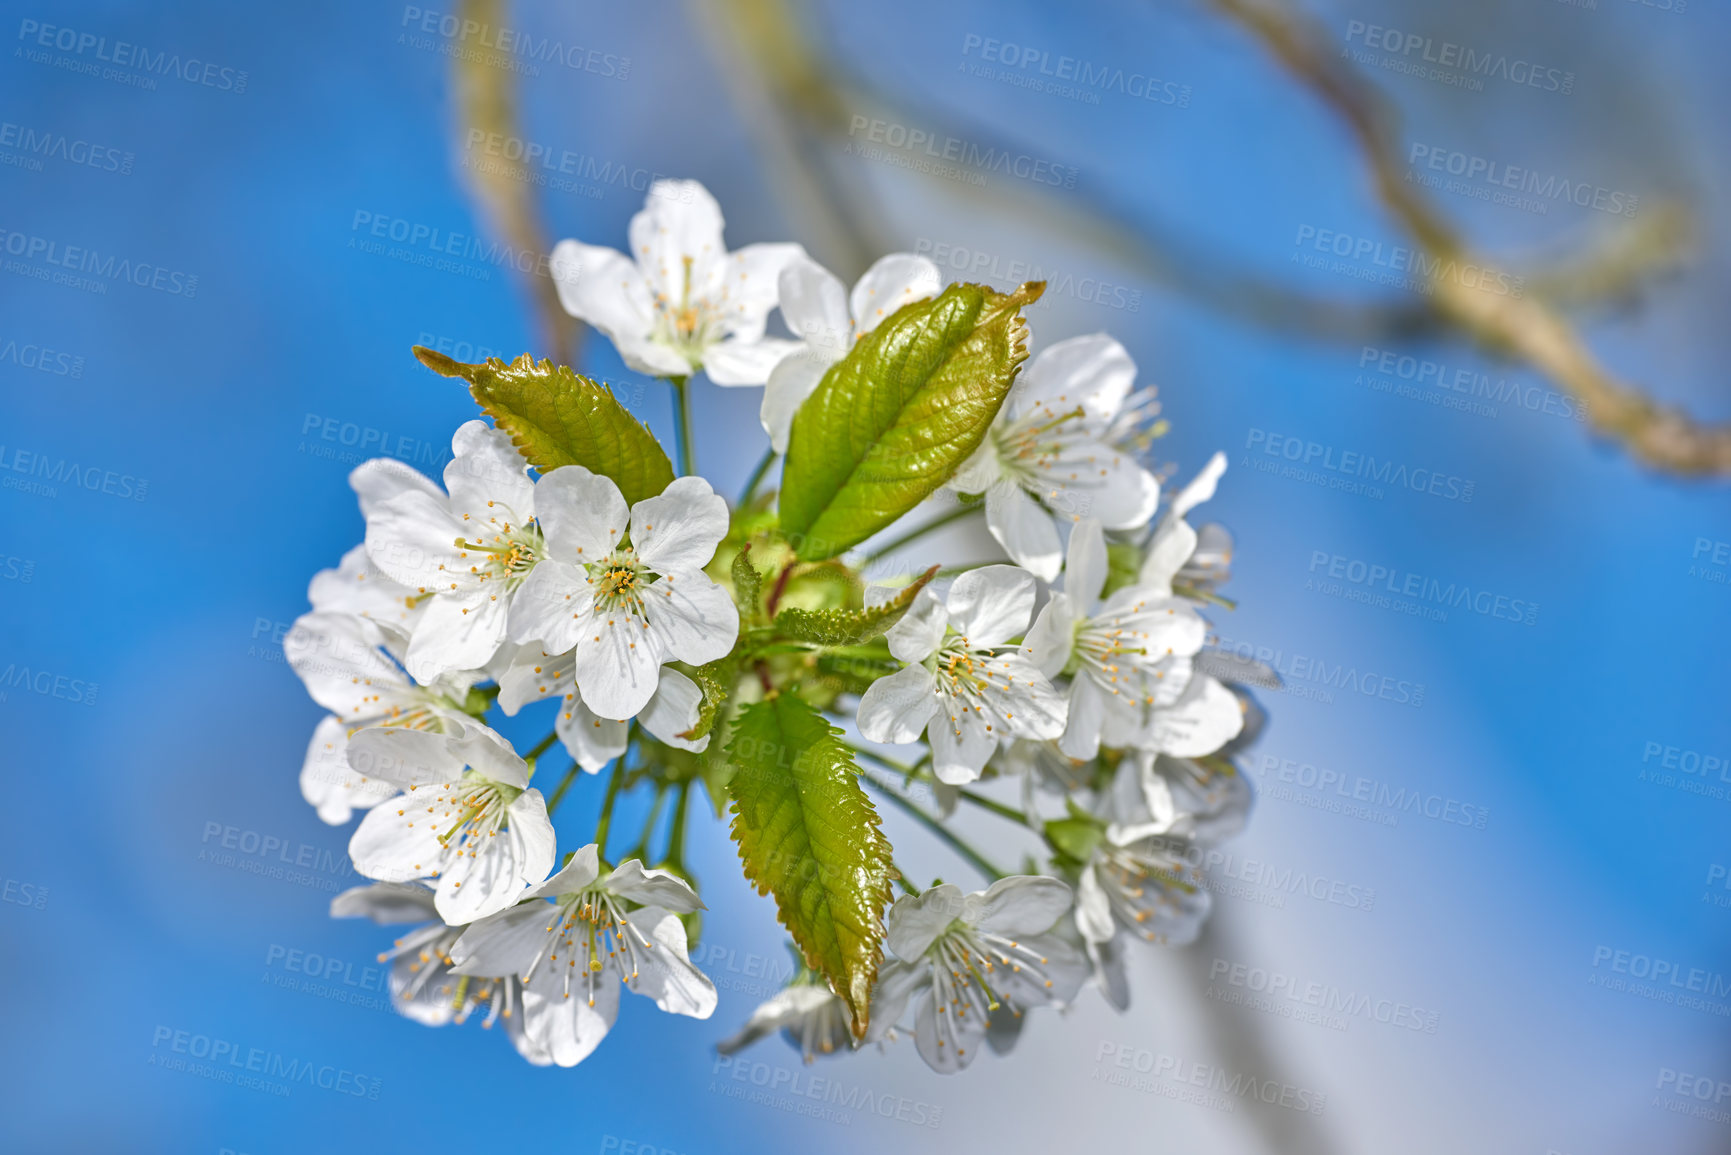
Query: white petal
[[583, 869], [980, 470], [460, 631], [679, 528], [383, 478], [531, 674], [338, 659], [675, 708], [898, 981], [488, 478], [1093, 908], [618, 664], [505, 943], [653, 887], [738, 361], [916, 920], [330, 784], [603, 288], [548, 609], [893, 281], [791, 381], [593, 741], [1201, 487], [1024, 529], [961, 746], [1087, 715], [691, 617], [405, 758], [958, 1044], [385, 903], [1020, 905], [896, 709], [495, 873], [1085, 569], [814, 305], [1096, 480], [487, 752], [1108, 961], [676, 242], [751, 288], [569, 1029], [1022, 696], [990, 605], [917, 633], [582, 514], [1171, 547], [1053, 636], [1094, 371], [396, 842], [665, 973], [359, 588], [1206, 718], [412, 539]]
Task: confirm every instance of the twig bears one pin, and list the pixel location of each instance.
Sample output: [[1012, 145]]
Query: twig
[[1523, 327]]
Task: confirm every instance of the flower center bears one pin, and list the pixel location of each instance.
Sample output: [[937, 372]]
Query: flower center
[[969, 680], [588, 930], [964, 962], [1038, 444], [1138, 887], [686, 327], [505, 553], [619, 582]]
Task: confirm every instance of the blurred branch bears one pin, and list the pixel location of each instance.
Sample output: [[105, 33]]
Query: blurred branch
[[800, 111], [486, 99], [1530, 328]]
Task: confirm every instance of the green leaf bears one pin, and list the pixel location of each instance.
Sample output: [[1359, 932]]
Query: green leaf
[[850, 627], [808, 835], [716, 679], [896, 417], [747, 587], [558, 417]]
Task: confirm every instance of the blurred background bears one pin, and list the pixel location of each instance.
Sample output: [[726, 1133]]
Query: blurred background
[[1487, 241]]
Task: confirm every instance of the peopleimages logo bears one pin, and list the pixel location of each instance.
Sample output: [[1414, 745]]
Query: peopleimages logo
[[78, 259], [1350, 468], [1400, 259], [958, 151], [1302, 672], [1088, 79], [121, 54], [1478, 386], [1328, 999], [1516, 179], [1456, 62], [1406, 584]]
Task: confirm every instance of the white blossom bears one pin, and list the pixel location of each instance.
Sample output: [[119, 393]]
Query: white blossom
[[963, 685], [680, 301], [1047, 455]]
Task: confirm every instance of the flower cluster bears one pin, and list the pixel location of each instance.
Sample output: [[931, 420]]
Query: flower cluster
[[1078, 669]]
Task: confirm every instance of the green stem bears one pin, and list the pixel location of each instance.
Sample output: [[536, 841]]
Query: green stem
[[676, 836], [541, 748], [642, 848], [914, 534], [756, 479], [944, 833], [682, 423], [606, 819], [902, 878], [564, 785], [996, 807]]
